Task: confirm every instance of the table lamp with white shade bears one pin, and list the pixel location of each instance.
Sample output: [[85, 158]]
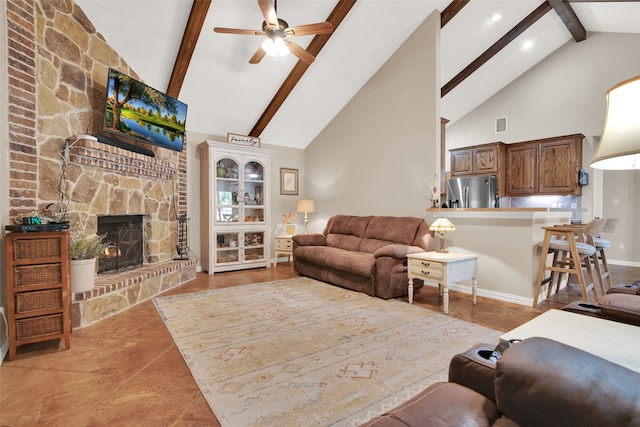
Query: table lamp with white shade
[[306, 206], [442, 225], [619, 147]]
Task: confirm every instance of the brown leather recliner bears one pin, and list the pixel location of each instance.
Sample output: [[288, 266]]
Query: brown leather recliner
[[621, 304], [536, 382]]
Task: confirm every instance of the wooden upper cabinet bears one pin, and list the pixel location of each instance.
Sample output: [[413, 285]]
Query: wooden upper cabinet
[[560, 163], [522, 169], [485, 159], [461, 162], [546, 166]]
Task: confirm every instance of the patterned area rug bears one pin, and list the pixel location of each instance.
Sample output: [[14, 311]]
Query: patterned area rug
[[300, 352]]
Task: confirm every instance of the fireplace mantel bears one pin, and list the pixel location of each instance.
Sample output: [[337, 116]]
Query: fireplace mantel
[[89, 152]]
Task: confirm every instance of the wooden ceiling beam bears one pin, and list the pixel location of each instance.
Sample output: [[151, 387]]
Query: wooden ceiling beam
[[538, 13], [338, 13], [198, 13], [452, 10], [570, 19]]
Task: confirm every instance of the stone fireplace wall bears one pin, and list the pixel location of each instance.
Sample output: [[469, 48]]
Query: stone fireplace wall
[[58, 66]]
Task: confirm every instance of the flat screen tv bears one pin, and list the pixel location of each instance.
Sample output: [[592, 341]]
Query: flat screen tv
[[134, 110]]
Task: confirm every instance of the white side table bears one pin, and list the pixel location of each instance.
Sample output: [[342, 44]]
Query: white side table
[[284, 245], [442, 268]]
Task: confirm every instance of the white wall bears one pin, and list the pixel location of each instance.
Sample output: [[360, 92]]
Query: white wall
[[378, 156], [565, 94]]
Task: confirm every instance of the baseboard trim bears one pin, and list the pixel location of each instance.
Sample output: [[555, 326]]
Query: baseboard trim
[[624, 263], [500, 296]]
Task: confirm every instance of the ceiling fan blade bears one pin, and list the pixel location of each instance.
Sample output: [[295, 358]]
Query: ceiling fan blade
[[303, 30], [298, 51], [238, 31], [269, 12], [257, 57]]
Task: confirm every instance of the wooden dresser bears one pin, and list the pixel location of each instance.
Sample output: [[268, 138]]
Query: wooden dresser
[[38, 287]]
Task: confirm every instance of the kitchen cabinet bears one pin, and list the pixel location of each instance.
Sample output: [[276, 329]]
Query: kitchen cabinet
[[522, 169], [38, 294], [235, 185], [546, 166], [485, 159]]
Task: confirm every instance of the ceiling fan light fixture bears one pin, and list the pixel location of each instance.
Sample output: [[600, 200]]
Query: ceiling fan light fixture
[[275, 47]]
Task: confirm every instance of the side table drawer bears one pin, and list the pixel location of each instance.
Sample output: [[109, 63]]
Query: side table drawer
[[284, 244], [427, 269]]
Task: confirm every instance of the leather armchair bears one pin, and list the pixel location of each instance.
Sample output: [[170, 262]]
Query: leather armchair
[[621, 304], [536, 382]]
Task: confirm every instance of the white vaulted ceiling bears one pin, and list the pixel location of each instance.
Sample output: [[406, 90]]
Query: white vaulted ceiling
[[227, 94]]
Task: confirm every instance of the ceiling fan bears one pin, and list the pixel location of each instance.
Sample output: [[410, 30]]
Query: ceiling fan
[[278, 33]]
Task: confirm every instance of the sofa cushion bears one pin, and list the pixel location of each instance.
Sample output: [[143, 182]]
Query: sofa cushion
[[442, 404], [347, 224], [540, 382], [344, 241], [358, 263], [393, 229], [622, 307], [346, 231], [386, 230]]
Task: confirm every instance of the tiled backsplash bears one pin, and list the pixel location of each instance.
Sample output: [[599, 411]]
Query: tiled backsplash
[[573, 203]]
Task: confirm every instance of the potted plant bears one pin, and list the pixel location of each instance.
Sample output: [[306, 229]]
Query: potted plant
[[83, 251]]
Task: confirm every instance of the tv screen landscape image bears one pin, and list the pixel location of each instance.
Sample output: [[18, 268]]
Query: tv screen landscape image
[[136, 110]]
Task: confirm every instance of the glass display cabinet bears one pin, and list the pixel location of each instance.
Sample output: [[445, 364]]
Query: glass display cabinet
[[235, 206]]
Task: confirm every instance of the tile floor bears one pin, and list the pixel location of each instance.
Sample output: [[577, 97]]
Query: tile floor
[[126, 370]]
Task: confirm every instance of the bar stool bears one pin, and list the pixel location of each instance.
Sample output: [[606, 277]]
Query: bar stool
[[599, 258], [570, 255]]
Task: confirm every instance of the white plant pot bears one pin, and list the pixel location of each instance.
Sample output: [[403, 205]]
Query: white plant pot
[[83, 274]]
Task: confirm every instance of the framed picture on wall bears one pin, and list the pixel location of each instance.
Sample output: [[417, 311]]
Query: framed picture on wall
[[289, 181]]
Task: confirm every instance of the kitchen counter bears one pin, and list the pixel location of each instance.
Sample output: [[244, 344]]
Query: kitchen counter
[[499, 212], [506, 243]]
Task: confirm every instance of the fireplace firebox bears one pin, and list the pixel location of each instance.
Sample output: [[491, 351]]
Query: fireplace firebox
[[125, 238]]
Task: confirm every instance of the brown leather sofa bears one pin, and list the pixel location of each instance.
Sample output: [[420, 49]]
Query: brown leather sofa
[[536, 382], [621, 304], [363, 253]]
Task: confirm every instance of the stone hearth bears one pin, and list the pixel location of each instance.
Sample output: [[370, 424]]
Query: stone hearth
[[116, 292]]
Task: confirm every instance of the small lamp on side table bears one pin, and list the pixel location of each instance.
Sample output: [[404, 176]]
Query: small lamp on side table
[[306, 206], [442, 225]]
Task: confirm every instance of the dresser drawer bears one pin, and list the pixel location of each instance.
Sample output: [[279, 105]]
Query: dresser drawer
[[48, 299], [426, 269], [40, 326]]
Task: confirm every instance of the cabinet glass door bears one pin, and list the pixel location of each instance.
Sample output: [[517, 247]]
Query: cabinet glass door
[[227, 208], [227, 248], [253, 246], [253, 181]]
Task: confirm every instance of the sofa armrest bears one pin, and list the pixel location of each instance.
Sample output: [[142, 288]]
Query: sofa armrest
[[397, 251], [474, 369], [315, 239]]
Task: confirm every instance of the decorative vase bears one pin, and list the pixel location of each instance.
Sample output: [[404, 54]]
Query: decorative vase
[[83, 274], [291, 229], [221, 171]]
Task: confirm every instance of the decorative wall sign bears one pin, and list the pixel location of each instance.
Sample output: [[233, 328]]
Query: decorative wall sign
[[247, 141], [289, 181]]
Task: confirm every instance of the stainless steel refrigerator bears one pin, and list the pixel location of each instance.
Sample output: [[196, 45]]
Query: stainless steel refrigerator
[[472, 192]]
